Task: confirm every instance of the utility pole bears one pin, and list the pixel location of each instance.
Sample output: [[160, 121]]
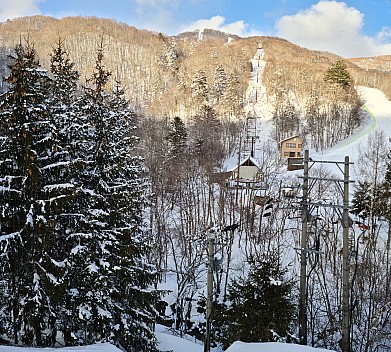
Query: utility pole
[[209, 298], [238, 170], [303, 257], [345, 265], [306, 206]]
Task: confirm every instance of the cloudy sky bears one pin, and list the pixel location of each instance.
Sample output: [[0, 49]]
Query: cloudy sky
[[350, 28]]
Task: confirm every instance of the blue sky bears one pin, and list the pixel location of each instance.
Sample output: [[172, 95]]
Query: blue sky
[[350, 28]]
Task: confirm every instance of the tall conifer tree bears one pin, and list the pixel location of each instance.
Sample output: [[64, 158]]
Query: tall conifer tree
[[64, 190], [27, 142], [108, 276], [71, 221]]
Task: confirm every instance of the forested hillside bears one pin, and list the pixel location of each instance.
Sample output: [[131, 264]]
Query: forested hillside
[[381, 63], [162, 74]]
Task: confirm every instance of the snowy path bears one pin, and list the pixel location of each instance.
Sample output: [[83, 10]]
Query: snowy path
[[379, 118], [367, 130]]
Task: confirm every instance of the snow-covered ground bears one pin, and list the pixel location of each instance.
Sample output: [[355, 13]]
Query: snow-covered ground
[[270, 347], [379, 117], [99, 347], [176, 344]]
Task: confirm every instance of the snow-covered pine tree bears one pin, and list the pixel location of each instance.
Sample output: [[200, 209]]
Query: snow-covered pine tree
[[168, 57], [207, 146], [62, 175], [63, 92], [108, 277], [26, 232], [200, 89], [127, 180], [232, 99], [260, 305], [363, 200], [219, 83]]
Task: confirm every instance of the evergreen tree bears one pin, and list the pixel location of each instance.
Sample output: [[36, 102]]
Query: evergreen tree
[[108, 278], [168, 57], [232, 99], [199, 88], [368, 200], [71, 224], [63, 94], [63, 174], [27, 149], [219, 83], [259, 307], [206, 139], [177, 137], [338, 74]]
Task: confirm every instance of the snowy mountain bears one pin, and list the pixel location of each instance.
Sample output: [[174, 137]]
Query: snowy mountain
[[155, 68]]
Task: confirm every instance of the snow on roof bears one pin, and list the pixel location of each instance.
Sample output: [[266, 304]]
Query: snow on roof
[[287, 139], [245, 160], [251, 159]]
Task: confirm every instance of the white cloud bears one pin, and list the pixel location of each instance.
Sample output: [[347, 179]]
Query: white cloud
[[18, 8], [384, 34], [335, 27], [156, 15], [239, 28]]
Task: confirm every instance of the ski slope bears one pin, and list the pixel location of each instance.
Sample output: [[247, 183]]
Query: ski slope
[[377, 109]]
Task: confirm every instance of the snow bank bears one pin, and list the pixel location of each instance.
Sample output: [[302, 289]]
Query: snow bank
[[270, 347], [176, 344], [99, 347]]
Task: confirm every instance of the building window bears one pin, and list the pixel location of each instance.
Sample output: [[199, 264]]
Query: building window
[[299, 145], [286, 153], [291, 145]]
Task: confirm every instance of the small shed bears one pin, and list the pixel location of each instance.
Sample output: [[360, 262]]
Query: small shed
[[291, 147], [245, 173]]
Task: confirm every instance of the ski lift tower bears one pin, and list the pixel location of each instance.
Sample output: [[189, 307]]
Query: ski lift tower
[[250, 136]]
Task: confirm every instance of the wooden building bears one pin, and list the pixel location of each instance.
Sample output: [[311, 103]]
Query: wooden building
[[291, 147]]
